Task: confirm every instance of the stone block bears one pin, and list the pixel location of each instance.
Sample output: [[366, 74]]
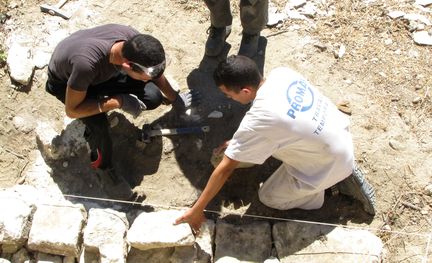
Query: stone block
[[57, 229], [105, 233], [301, 242], [156, 230], [14, 222], [250, 242]]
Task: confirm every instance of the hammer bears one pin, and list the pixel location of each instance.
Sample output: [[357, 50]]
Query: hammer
[[55, 9], [148, 132]]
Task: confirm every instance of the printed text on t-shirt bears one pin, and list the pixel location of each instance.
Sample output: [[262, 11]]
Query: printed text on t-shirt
[[320, 115], [300, 98]]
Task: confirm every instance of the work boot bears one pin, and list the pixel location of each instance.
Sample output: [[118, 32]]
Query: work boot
[[249, 45], [95, 158], [216, 40], [358, 188]]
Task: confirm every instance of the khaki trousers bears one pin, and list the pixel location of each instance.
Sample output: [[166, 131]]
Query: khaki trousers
[[253, 14]]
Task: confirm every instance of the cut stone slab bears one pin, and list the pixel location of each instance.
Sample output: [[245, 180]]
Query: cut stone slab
[[301, 242], [105, 234], [21, 256], [46, 258], [14, 222], [183, 254], [205, 240], [88, 257], [70, 260], [245, 243], [150, 255], [57, 229], [157, 229], [34, 196]]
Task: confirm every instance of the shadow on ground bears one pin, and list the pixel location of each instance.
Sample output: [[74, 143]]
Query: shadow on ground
[[134, 161]]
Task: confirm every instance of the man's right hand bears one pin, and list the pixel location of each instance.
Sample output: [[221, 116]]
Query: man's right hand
[[194, 218], [132, 105]]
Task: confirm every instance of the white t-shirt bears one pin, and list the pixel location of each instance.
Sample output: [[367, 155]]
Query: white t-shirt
[[293, 122]]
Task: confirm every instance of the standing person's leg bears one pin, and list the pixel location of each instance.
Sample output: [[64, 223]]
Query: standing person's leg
[[220, 28], [282, 191], [254, 17]]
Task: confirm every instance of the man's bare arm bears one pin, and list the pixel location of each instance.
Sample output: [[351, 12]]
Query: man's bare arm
[[77, 106], [220, 175], [166, 88]]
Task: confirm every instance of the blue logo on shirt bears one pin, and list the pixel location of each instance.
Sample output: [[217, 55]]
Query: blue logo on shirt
[[300, 98]]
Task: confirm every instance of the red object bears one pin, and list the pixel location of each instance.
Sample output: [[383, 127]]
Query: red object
[[95, 164]]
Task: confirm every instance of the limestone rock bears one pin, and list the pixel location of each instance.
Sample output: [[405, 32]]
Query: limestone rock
[[14, 223], [422, 38], [156, 230], [251, 242], [57, 229], [104, 234], [20, 64], [205, 241], [299, 242]]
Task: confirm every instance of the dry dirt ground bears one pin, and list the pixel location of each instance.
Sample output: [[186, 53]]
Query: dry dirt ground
[[384, 75]]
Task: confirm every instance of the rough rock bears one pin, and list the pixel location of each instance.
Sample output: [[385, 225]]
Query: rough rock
[[422, 38], [56, 146], [20, 64]]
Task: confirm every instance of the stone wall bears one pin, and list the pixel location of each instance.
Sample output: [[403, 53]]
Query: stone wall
[[38, 229]]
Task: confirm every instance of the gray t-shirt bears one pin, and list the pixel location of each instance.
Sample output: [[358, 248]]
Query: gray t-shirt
[[82, 59]]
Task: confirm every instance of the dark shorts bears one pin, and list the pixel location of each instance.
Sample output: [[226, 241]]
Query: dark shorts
[[120, 84]]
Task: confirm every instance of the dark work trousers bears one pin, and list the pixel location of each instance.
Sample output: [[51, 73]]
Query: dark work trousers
[[97, 127], [253, 14]]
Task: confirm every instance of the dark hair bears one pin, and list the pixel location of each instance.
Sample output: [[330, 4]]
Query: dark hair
[[236, 72], [144, 50]]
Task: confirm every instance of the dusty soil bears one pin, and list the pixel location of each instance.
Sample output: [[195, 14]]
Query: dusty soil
[[383, 74]]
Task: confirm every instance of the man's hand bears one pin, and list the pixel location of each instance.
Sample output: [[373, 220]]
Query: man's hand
[[187, 99], [132, 105], [194, 218]]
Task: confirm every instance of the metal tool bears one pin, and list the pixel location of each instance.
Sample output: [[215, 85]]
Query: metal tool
[[148, 132], [55, 10]]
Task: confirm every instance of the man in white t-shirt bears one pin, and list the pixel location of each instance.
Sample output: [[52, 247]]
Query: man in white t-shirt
[[293, 122]]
